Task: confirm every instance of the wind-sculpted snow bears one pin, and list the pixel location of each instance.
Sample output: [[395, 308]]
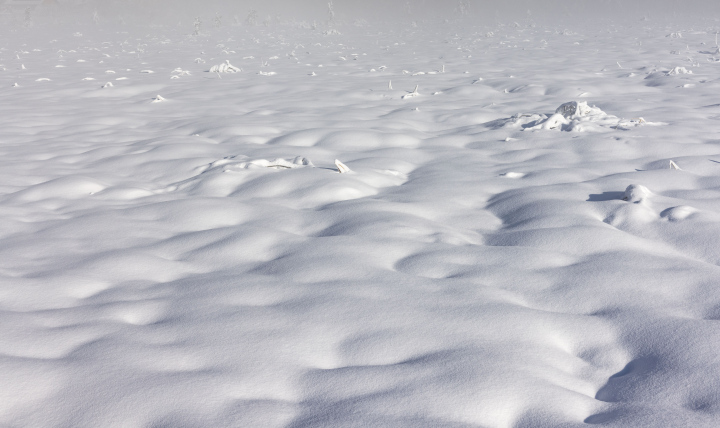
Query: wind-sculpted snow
[[508, 226]]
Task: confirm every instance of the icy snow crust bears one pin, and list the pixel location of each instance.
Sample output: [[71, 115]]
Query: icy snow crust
[[490, 256]]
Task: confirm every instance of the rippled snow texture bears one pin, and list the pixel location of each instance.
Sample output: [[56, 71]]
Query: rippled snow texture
[[201, 261]]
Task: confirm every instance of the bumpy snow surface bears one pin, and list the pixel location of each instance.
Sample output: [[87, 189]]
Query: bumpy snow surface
[[509, 246]]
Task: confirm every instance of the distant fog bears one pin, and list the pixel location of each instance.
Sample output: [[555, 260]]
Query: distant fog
[[557, 12]]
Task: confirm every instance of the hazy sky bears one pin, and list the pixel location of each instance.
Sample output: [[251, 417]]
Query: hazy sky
[[483, 11]]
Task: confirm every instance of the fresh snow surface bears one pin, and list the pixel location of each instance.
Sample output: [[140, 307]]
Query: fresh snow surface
[[524, 232]]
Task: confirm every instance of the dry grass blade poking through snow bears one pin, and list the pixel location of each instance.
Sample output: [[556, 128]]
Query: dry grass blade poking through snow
[[341, 167], [414, 93]]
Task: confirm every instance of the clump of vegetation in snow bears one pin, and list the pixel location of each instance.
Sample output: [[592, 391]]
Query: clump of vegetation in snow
[[225, 67], [572, 116], [252, 18]]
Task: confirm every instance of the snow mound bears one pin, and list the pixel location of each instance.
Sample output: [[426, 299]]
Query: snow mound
[[679, 70], [678, 213], [70, 187], [297, 181], [636, 193], [298, 162], [512, 174], [573, 116]]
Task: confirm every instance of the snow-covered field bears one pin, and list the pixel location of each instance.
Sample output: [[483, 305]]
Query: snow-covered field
[[178, 247]]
